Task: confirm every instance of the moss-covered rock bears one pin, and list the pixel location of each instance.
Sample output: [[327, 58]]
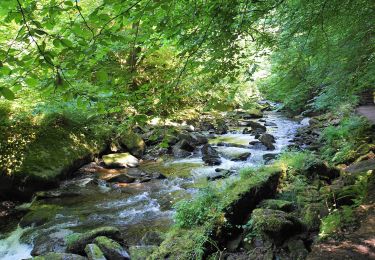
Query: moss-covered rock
[[39, 214], [141, 252], [76, 243], [133, 143], [283, 205], [54, 149], [93, 252], [111, 249], [312, 214], [276, 225]]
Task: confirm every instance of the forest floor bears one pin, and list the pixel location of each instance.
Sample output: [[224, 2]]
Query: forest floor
[[368, 112], [359, 244]]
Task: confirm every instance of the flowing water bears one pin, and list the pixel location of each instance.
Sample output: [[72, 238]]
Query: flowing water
[[138, 207]]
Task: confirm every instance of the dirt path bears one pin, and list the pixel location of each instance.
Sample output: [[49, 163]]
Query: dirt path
[[357, 245], [368, 112]]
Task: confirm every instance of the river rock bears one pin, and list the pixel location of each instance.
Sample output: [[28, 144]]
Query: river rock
[[270, 124], [232, 145], [51, 242], [268, 157], [111, 249], [257, 145], [256, 128], [76, 243], [133, 143], [59, 256], [122, 177], [276, 225], [210, 155], [246, 131], [120, 160], [234, 153], [268, 140], [219, 175], [182, 149], [221, 128], [93, 252]]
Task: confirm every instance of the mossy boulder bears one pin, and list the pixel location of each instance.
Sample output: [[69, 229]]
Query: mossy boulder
[[111, 249], [312, 214], [93, 252], [283, 205], [39, 214], [120, 160], [133, 143], [77, 242], [276, 225], [51, 150], [141, 252], [322, 170], [59, 256]]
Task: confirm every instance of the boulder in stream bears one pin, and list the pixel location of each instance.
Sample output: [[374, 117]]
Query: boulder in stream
[[210, 155], [93, 252], [182, 149], [76, 243], [120, 160], [133, 143], [268, 140], [111, 249]]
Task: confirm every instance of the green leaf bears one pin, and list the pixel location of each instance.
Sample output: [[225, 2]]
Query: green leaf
[[68, 3], [7, 93], [66, 42], [4, 70], [102, 75]]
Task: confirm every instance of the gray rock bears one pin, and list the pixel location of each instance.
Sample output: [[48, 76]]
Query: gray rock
[[210, 155], [270, 124], [268, 157], [122, 177], [182, 149], [76, 243], [120, 160], [93, 252], [268, 140], [111, 249]]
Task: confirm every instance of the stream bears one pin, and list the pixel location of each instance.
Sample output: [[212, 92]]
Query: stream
[[136, 208]]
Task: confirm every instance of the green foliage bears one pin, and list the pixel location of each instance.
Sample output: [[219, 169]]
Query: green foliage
[[346, 141], [204, 208], [319, 59], [336, 220]]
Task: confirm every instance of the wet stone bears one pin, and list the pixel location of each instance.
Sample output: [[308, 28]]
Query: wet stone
[[111, 249], [93, 252]]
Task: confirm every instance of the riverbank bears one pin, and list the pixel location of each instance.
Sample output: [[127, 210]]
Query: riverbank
[[209, 169]]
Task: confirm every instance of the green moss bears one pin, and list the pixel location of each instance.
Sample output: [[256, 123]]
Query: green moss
[[133, 142], [244, 140], [39, 214], [94, 252], [197, 219], [182, 170], [183, 244], [283, 205], [106, 242]]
